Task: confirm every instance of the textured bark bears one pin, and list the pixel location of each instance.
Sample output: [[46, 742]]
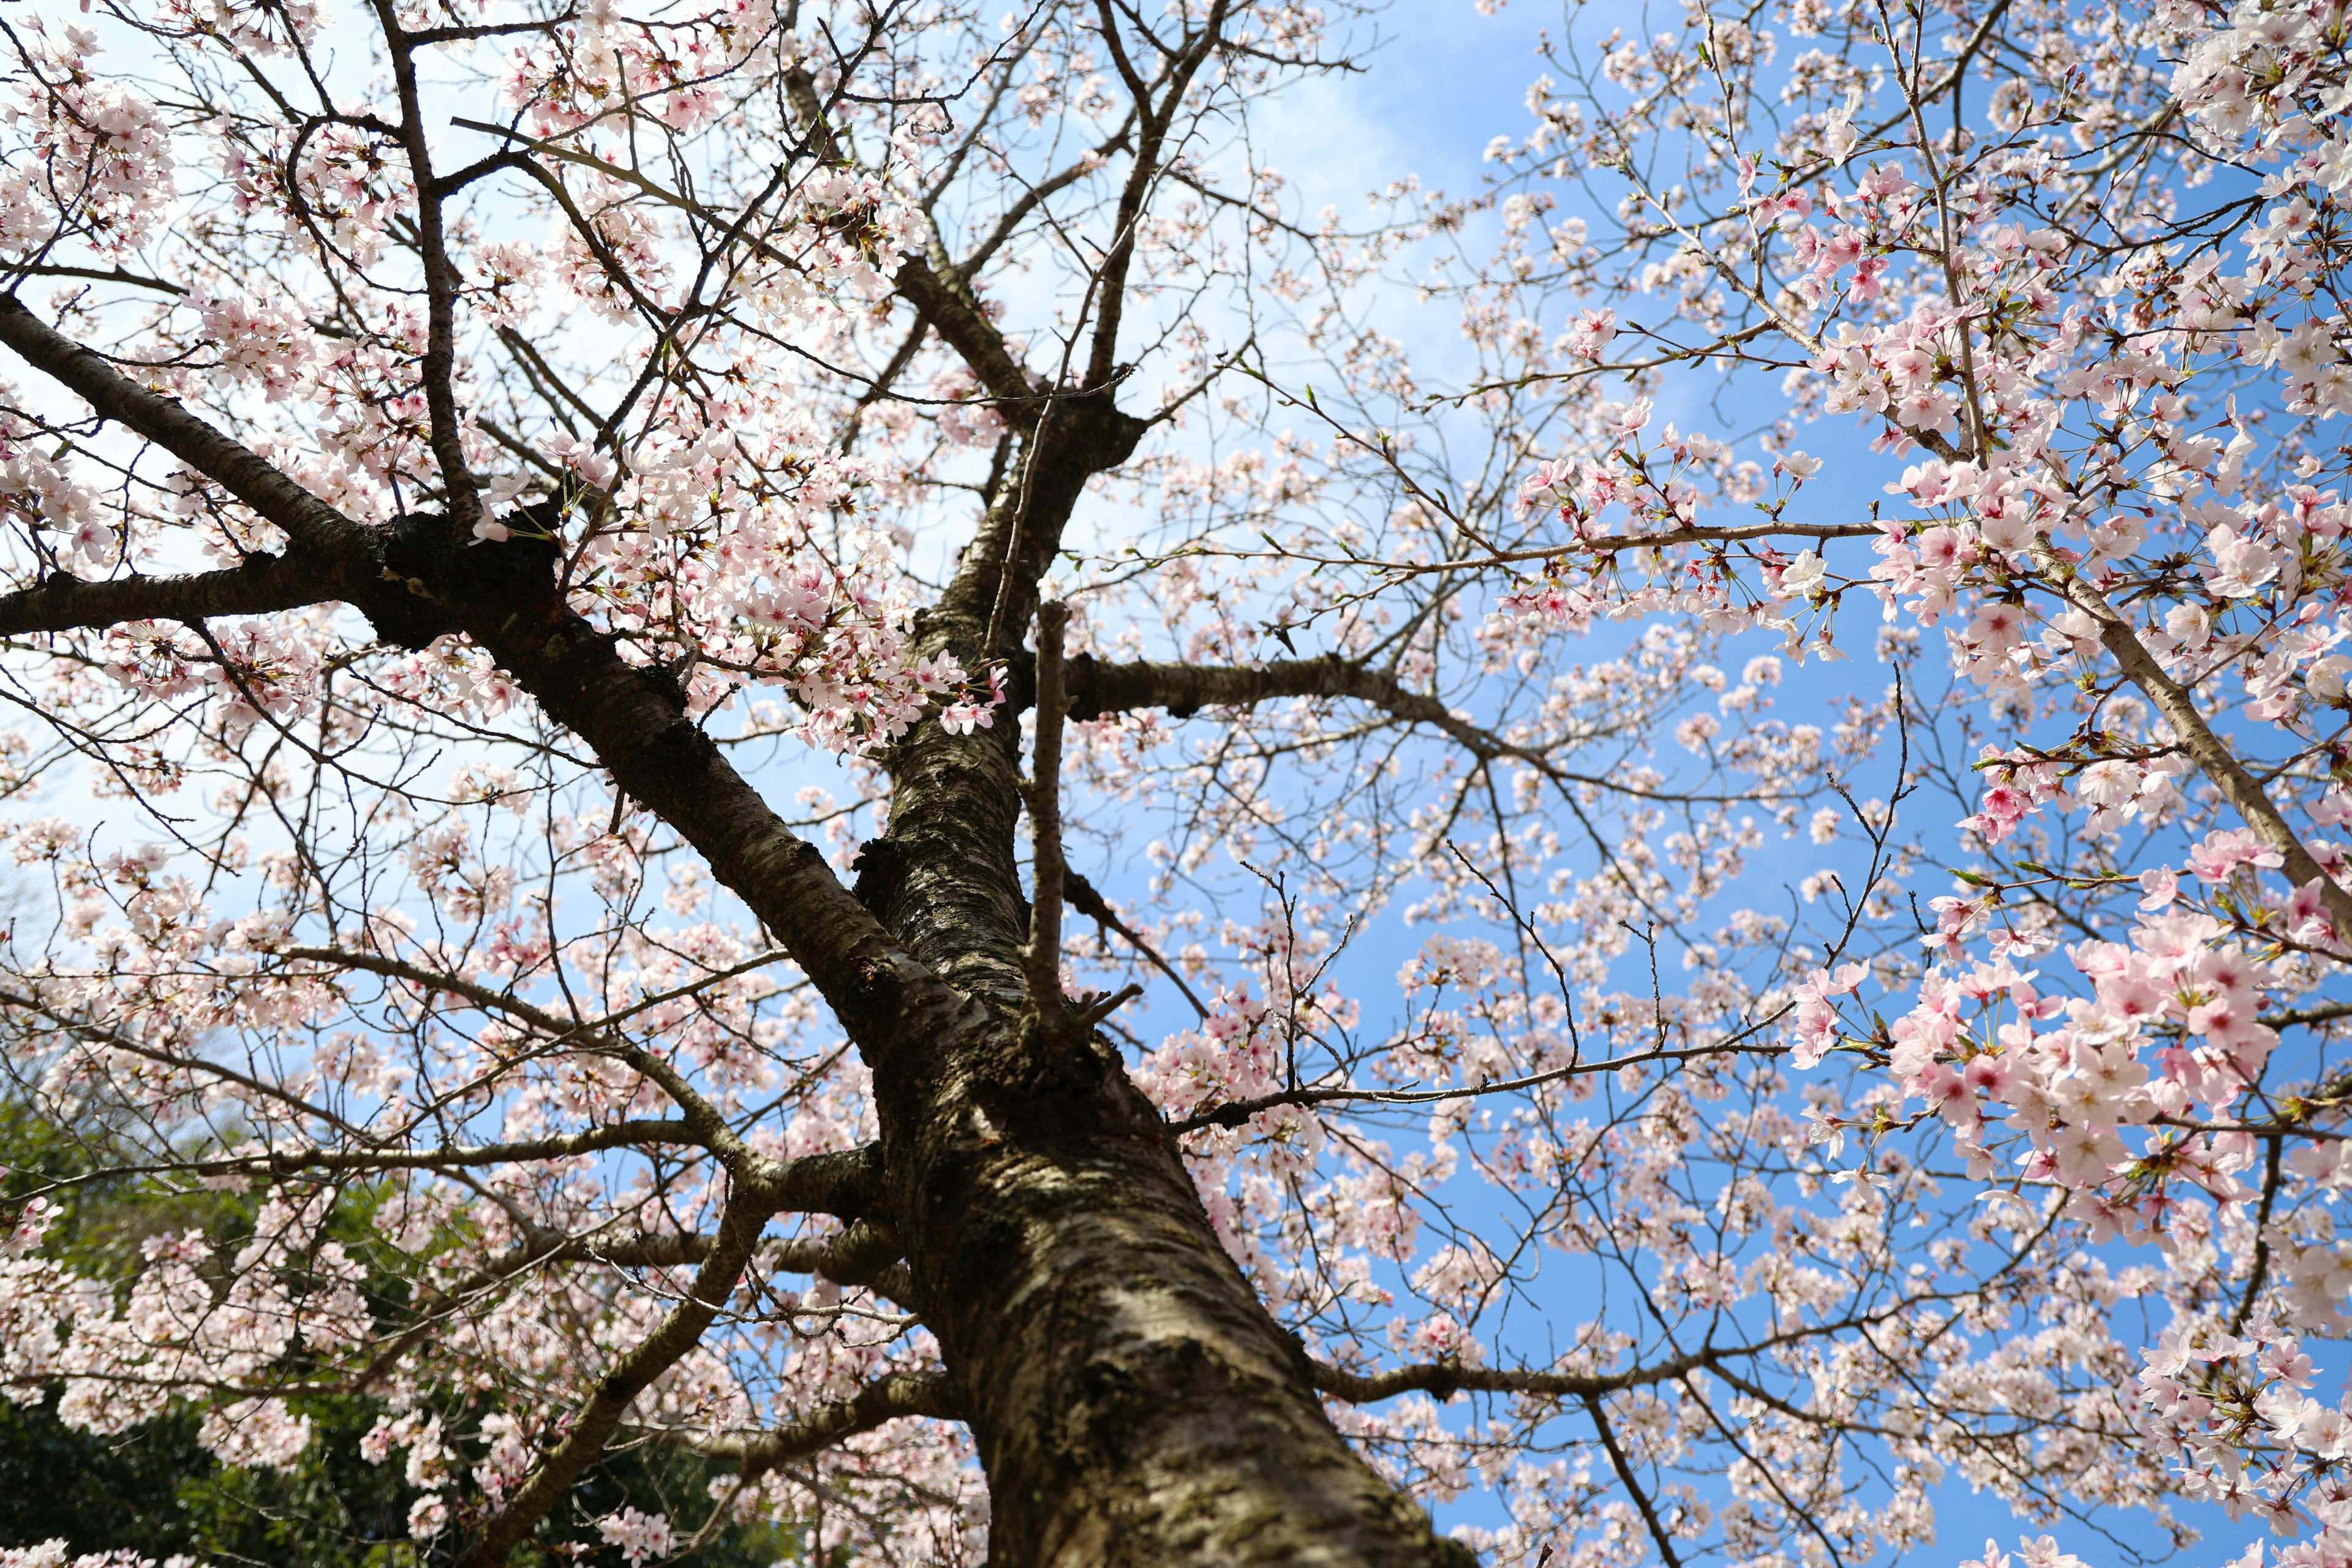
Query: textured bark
[[1097, 688], [933, 286], [1133, 1401]]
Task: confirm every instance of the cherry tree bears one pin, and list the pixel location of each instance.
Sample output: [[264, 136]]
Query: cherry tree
[[796, 731]]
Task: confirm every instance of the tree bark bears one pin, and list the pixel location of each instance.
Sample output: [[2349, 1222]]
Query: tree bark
[[1133, 1401]]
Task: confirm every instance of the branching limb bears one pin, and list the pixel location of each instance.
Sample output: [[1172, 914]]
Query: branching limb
[[1098, 688], [1029, 200], [890, 1398], [2259, 1274], [436, 367], [1155, 124], [256, 586], [701, 1119], [2213, 755], [932, 286], [1443, 1381], [337, 545], [861, 1255], [2317, 1013], [632, 717], [848, 1258], [567, 1146]]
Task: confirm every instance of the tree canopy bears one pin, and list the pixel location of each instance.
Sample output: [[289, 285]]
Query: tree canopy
[[783, 777]]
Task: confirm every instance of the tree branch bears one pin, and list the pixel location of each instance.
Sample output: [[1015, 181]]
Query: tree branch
[[890, 1398], [635, 717], [1097, 688], [680, 1332], [2212, 753], [1625, 1468], [1445, 1380], [859, 1256], [256, 586], [1110, 282], [1088, 901], [2318, 1013], [931, 284], [562, 1146], [337, 545]]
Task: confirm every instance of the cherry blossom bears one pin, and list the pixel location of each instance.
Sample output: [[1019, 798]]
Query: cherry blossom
[[713, 701]]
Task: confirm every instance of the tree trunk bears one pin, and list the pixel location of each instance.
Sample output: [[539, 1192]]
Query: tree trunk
[[1133, 1401]]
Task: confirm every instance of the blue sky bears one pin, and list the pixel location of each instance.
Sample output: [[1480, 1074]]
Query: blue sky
[[1445, 81]]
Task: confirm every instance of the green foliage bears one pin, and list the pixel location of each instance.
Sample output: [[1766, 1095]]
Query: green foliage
[[155, 1491]]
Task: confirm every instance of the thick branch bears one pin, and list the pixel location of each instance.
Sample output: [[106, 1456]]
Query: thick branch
[[256, 586], [565, 1146], [932, 286], [634, 718], [863, 1254], [887, 1399], [1097, 688], [2292, 1017], [1445, 1380]]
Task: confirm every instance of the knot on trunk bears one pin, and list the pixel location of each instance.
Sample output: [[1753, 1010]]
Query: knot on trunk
[[434, 582], [1099, 434], [881, 875]]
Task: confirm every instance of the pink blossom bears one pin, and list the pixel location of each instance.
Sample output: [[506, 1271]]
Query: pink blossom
[[638, 1535], [2221, 853]]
